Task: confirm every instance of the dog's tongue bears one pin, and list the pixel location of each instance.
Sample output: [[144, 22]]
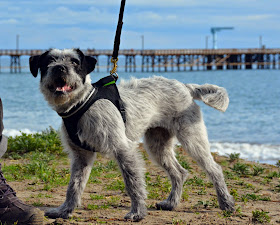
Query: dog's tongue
[[65, 88]]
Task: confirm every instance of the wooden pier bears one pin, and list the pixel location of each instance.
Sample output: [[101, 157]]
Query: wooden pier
[[165, 60]]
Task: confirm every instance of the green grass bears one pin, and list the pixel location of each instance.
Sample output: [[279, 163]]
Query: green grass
[[227, 213], [254, 197], [273, 174], [96, 197], [95, 207], [234, 157], [182, 160], [260, 216], [207, 204], [234, 193], [158, 187], [257, 170], [195, 181], [41, 152], [46, 141], [277, 188], [176, 221], [241, 169], [116, 185]]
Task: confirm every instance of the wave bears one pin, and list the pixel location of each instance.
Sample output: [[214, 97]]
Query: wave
[[14, 132], [264, 153]]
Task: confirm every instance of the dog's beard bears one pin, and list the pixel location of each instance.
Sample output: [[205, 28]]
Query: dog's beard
[[63, 96], [57, 98]]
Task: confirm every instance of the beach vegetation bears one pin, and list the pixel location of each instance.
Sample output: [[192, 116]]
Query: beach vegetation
[[183, 162], [257, 170], [278, 163], [241, 169], [233, 157], [45, 141], [176, 221], [254, 197], [277, 187], [195, 181], [227, 213], [260, 216], [273, 174], [234, 194]]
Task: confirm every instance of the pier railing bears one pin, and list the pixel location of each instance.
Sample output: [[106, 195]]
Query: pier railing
[[172, 59]]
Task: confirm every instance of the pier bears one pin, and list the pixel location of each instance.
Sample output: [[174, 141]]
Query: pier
[[165, 60]]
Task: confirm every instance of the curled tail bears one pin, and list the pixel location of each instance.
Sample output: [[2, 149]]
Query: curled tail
[[211, 95]]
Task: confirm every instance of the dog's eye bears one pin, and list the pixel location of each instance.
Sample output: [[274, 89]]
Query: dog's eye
[[51, 60], [75, 62]]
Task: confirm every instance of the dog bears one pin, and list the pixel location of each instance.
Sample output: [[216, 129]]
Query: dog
[[160, 110]]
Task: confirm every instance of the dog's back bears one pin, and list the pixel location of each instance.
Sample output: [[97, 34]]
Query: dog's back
[[159, 89]]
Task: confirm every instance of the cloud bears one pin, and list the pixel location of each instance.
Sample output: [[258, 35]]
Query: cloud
[[177, 23], [8, 21]]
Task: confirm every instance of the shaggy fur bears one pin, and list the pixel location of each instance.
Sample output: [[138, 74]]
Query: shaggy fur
[[158, 109]]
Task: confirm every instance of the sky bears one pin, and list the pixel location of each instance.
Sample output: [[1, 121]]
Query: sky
[[164, 24]]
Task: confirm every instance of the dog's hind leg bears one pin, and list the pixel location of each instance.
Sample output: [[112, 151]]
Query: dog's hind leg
[[82, 162], [193, 136], [131, 165], [159, 143]]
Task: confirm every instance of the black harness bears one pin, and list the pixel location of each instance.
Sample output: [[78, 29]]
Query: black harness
[[105, 88]]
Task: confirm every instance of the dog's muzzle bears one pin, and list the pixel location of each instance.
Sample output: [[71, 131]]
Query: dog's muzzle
[[59, 81], [59, 70]]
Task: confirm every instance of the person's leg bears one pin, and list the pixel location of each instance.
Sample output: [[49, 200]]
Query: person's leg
[[3, 140], [12, 210]]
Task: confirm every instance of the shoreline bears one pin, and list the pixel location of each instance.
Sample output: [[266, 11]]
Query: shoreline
[[258, 151]]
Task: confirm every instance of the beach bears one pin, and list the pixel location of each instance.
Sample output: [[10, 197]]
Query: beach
[[254, 186]]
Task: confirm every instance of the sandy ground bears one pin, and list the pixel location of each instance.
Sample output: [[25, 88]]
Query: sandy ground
[[191, 210]]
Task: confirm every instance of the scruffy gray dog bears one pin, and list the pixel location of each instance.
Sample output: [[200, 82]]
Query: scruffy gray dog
[[157, 108]]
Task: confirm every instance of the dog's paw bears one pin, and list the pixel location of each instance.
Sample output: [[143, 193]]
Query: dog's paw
[[135, 217], [57, 213], [227, 204], [165, 205]]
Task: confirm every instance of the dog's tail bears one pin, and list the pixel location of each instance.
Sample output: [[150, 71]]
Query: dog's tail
[[211, 95]]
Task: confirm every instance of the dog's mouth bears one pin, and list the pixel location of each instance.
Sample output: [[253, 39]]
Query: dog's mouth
[[65, 88], [62, 89]]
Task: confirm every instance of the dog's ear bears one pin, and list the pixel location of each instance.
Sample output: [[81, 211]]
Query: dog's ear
[[87, 61], [34, 65], [90, 63]]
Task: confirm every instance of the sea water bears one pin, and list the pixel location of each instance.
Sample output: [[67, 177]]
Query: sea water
[[250, 126]]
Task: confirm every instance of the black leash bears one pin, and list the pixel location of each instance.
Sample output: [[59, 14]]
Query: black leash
[[105, 88], [117, 41]]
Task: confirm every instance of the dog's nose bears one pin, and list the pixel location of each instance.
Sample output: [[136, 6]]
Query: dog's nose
[[58, 69]]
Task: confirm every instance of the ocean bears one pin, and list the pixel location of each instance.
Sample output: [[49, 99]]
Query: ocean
[[250, 126]]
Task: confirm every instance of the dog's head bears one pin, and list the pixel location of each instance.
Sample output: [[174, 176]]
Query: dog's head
[[64, 74]]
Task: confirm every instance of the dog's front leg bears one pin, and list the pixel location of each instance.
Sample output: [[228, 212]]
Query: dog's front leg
[[131, 166], [82, 162]]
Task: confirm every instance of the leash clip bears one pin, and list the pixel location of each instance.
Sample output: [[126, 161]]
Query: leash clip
[[113, 72]]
